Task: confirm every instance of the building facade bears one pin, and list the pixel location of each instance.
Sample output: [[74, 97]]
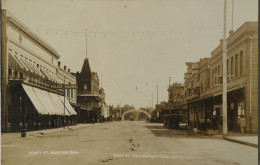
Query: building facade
[[203, 81], [90, 97], [30, 79]]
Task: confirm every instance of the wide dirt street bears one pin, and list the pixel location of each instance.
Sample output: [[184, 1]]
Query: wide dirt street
[[128, 142]]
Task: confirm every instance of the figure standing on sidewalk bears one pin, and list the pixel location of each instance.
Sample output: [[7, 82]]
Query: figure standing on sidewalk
[[214, 123], [189, 129], [242, 123]]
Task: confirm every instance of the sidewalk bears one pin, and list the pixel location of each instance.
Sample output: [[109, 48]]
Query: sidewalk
[[53, 130], [61, 129], [250, 140], [247, 139]]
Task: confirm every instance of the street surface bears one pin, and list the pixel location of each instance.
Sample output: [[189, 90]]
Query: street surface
[[128, 142]]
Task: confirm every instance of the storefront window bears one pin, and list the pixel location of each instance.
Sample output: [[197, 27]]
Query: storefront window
[[240, 110]]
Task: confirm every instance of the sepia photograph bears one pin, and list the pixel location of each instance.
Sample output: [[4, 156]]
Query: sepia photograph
[[129, 82]]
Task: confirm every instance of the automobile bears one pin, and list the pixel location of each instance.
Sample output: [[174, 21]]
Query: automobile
[[178, 121], [183, 125]]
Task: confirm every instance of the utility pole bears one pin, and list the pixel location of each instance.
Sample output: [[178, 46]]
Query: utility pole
[[152, 101], [157, 94], [232, 15], [64, 101], [250, 90], [224, 97], [86, 44]]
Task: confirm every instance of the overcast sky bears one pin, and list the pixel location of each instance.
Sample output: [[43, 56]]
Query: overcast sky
[[135, 44]]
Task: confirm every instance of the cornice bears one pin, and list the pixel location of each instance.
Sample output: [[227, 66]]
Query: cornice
[[12, 21]]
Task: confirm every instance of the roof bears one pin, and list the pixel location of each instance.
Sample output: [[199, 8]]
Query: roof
[[86, 66]]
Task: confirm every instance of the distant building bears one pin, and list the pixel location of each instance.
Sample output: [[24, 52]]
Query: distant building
[[32, 93], [176, 94], [90, 98]]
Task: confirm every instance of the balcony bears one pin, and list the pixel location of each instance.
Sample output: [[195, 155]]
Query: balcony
[[88, 93], [91, 105]]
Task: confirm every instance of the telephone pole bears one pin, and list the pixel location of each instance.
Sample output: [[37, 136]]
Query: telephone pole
[[86, 44], [224, 97], [157, 94]]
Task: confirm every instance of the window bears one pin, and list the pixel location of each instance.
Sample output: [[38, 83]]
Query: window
[[16, 74], [218, 74], [85, 87], [71, 93], [231, 66], [236, 65], [68, 92], [227, 69], [10, 72], [21, 75], [241, 62], [212, 79]]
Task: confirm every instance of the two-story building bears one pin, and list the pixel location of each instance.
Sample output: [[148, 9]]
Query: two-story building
[[30, 89], [205, 98]]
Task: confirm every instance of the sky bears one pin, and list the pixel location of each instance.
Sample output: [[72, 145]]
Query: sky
[[133, 45]]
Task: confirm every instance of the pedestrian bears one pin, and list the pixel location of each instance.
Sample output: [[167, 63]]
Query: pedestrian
[[202, 125], [206, 126], [242, 123], [209, 123], [189, 129], [214, 123]]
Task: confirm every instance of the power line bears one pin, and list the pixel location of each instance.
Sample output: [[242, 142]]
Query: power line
[[121, 33]]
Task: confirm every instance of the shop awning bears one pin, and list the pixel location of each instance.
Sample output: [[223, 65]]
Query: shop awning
[[47, 101], [60, 106], [67, 105], [35, 100]]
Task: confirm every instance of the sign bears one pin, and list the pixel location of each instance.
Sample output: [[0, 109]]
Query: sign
[[61, 86]]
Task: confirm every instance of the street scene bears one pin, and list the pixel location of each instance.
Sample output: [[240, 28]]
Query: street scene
[[129, 82], [128, 142]]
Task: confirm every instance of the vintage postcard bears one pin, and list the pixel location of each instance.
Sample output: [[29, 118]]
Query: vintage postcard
[[129, 82]]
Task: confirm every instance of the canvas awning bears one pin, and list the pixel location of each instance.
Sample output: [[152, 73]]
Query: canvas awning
[[35, 100], [67, 105], [48, 102], [60, 106]]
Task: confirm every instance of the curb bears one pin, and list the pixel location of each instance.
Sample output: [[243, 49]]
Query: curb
[[51, 131], [241, 142]]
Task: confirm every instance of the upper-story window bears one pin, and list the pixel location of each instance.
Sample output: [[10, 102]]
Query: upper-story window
[[212, 79], [71, 93], [85, 87], [218, 74], [241, 62], [227, 69], [215, 77], [231, 66], [236, 65], [68, 92]]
